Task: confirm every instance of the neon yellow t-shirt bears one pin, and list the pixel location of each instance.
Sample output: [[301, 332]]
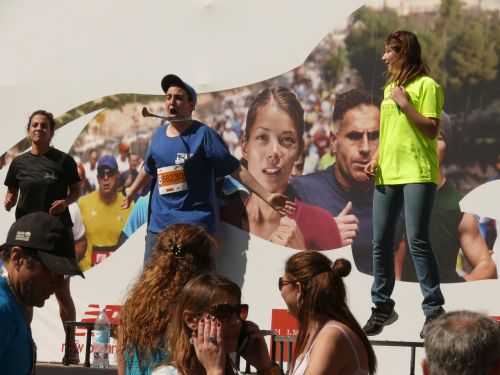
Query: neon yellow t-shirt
[[406, 155], [103, 224]]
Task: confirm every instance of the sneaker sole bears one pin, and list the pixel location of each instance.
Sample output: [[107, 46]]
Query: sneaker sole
[[389, 321]]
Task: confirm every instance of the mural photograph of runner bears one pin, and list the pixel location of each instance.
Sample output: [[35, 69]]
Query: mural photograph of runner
[[339, 89]]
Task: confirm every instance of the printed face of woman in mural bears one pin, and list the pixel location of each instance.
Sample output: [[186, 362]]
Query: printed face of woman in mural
[[272, 147]]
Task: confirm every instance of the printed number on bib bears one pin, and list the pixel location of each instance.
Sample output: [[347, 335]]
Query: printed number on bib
[[171, 179]]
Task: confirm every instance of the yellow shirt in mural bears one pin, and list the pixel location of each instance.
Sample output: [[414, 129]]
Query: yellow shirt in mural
[[103, 225]]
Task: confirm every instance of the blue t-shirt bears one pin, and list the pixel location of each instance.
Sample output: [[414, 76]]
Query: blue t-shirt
[[132, 366], [322, 189], [16, 344], [185, 169], [138, 216]]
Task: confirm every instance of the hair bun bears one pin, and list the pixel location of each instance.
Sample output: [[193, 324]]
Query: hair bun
[[341, 267]]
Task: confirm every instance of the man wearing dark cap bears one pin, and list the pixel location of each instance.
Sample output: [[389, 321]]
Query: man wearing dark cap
[[184, 159], [38, 252], [102, 214]]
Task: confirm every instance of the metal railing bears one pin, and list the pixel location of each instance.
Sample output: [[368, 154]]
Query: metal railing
[[281, 347], [282, 350]]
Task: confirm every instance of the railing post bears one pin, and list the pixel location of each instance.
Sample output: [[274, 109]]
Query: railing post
[[412, 361], [87, 347]]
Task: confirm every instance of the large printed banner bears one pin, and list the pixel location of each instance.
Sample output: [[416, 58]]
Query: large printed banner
[[320, 53]]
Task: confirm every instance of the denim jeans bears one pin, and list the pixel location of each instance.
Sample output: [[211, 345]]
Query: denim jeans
[[150, 244], [417, 200]]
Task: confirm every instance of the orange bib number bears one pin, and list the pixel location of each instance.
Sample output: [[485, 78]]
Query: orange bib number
[[171, 179]]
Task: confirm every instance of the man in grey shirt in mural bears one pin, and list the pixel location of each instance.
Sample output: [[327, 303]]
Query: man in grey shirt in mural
[[345, 189]]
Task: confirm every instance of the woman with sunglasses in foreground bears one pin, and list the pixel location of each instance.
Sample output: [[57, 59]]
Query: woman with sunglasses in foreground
[[208, 329], [330, 340], [181, 253]]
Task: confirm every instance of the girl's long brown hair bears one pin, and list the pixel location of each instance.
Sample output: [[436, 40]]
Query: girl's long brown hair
[[323, 295], [406, 45], [181, 252], [197, 297]]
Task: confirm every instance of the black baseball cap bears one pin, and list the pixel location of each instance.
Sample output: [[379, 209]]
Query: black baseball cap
[[173, 80], [52, 242]]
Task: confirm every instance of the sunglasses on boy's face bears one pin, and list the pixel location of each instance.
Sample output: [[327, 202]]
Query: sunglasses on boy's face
[[282, 282], [226, 311]]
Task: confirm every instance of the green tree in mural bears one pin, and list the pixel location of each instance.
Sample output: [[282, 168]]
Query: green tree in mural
[[471, 64], [334, 66], [364, 44]]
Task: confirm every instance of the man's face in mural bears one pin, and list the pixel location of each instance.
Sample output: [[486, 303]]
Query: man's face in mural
[[272, 148], [177, 102], [133, 161], [355, 143], [108, 180]]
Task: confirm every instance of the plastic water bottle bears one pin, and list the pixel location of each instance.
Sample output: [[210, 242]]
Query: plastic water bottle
[[101, 341]]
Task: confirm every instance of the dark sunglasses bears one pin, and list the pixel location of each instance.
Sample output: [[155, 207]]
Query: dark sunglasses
[[282, 282], [101, 173], [225, 311]]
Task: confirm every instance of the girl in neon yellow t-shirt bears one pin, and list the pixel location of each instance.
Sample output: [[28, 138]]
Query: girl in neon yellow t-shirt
[[406, 169]]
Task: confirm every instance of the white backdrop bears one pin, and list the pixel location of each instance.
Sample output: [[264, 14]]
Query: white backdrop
[[58, 54]]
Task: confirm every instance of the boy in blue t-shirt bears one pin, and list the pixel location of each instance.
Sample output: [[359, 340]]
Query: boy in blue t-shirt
[[185, 158]]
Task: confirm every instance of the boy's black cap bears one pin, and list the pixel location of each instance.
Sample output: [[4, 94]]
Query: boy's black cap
[[52, 241]]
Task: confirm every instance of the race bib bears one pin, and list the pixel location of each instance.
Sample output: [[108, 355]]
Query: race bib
[[171, 179]]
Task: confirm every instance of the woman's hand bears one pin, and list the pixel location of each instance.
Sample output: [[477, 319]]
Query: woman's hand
[[398, 94], [429, 126], [209, 346], [255, 351], [288, 234], [371, 167], [282, 204], [57, 207]]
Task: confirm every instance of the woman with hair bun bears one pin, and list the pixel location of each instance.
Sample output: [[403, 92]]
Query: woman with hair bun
[[330, 340], [182, 252]]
